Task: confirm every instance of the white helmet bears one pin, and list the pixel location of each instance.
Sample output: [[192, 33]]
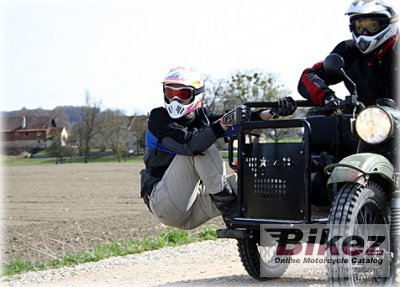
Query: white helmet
[[183, 90], [372, 23]]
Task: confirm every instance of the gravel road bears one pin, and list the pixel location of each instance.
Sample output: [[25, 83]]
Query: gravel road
[[208, 263]]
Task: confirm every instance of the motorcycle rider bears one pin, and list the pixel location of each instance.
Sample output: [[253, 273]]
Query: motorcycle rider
[[370, 58], [184, 183], [370, 61]]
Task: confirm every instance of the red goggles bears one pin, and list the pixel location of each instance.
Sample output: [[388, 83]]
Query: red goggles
[[181, 93]]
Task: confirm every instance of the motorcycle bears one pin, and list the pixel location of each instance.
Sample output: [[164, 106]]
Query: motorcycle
[[340, 175]]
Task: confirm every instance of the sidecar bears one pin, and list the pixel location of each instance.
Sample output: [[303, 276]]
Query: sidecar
[[281, 182]]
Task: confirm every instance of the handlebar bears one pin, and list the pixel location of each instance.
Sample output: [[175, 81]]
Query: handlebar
[[303, 103], [350, 102]]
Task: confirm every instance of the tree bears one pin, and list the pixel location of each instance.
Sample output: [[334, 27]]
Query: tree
[[89, 127], [215, 93], [59, 147], [114, 130], [241, 87]]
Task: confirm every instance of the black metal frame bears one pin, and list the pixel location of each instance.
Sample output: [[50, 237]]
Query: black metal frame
[[291, 204], [270, 208]]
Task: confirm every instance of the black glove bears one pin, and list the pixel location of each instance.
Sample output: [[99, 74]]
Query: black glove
[[236, 116], [286, 107], [331, 102]]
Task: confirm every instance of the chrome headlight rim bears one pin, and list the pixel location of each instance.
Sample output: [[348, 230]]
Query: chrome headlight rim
[[387, 117]]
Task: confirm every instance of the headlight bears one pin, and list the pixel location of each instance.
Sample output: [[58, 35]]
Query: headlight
[[374, 125]]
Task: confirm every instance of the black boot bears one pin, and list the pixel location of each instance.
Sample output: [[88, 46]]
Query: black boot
[[226, 202]]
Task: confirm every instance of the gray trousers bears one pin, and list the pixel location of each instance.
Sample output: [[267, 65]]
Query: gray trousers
[[179, 200]]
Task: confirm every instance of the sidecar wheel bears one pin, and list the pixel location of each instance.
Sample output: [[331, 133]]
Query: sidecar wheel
[[354, 206], [254, 257]]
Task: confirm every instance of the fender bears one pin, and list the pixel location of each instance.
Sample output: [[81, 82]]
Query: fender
[[365, 165]]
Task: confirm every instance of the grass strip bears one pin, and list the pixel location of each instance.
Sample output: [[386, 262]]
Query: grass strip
[[171, 237], [13, 161]]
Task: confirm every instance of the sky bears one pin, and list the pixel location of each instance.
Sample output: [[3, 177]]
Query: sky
[[53, 52]]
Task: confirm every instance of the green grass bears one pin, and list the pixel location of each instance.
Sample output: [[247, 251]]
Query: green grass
[[27, 161], [171, 237], [12, 161]]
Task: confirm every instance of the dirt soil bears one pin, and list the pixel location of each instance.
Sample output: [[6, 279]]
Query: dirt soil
[[56, 209]]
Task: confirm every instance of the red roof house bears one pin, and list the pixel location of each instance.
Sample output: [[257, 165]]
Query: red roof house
[[28, 132]]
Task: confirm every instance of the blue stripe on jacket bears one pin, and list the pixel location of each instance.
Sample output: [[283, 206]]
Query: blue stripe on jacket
[[152, 142]]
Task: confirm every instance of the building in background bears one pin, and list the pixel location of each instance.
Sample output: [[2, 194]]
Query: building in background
[[29, 132]]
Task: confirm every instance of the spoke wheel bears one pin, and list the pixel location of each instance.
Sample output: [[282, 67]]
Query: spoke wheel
[[259, 261], [354, 208]]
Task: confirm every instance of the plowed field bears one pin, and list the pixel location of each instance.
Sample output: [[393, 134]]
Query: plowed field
[[51, 210]]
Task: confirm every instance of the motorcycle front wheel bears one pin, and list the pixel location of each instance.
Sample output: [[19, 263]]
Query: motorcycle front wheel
[[259, 261], [355, 208]]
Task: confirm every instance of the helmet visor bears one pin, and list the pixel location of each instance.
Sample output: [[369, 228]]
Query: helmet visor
[[368, 26], [178, 93]]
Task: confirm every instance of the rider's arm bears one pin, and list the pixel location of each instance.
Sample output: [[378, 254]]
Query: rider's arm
[[314, 82], [260, 115], [179, 138], [286, 106], [312, 85]]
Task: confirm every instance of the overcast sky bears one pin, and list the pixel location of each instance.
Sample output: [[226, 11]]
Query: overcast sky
[[53, 51]]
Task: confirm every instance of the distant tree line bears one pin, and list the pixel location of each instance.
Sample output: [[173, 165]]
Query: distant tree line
[[100, 130]]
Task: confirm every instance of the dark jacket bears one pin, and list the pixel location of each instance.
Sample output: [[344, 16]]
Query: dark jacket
[[374, 73], [166, 137]]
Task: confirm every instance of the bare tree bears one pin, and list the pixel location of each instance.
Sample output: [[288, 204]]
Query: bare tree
[[59, 148], [113, 130], [245, 86], [89, 127], [216, 91], [241, 87]]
